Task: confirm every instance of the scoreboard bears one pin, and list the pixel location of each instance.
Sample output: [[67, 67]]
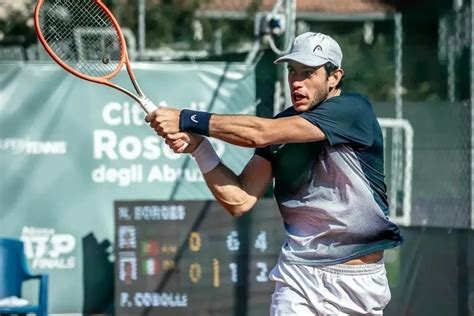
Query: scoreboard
[[193, 258]]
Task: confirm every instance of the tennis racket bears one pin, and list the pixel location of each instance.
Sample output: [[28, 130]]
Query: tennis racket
[[85, 39]]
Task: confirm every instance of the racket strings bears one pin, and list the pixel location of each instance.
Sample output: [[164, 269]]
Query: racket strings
[[90, 45], [85, 44], [82, 35]]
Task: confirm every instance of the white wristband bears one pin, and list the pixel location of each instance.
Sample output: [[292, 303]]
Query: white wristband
[[205, 156]]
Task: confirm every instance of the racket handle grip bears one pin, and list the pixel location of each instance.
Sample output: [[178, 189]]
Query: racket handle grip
[[148, 106]]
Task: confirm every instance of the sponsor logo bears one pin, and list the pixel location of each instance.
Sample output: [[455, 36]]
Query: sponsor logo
[[33, 147], [318, 48], [47, 249], [194, 119]]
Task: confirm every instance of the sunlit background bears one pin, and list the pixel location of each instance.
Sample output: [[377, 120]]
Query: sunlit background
[[95, 195]]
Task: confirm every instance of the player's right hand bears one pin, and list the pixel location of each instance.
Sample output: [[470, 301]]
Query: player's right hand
[[177, 142]]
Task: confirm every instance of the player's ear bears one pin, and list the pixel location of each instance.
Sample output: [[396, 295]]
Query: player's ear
[[335, 77]]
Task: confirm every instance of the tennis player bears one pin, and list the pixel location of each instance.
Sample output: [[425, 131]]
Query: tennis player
[[325, 155]]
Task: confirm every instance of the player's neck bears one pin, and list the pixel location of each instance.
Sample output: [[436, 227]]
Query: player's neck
[[334, 93]]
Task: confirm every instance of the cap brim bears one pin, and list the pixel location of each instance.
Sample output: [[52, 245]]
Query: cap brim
[[302, 58]]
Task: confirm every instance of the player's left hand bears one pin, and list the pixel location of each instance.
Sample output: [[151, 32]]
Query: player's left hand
[[164, 121], [183, 143]]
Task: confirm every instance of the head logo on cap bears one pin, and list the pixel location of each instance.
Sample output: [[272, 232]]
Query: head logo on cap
[[314, 49], [318, 47]]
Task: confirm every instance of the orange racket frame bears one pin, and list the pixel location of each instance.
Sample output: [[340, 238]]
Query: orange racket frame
[[147, 105]]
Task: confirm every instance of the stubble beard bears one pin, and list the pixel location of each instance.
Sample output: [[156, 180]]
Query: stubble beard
[[319, 97]]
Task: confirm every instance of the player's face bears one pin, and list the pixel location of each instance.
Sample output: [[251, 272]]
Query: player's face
[[309, 86]]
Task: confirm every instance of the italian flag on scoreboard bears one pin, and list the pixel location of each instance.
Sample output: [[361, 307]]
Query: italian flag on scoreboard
[[150, 248], [150, 257], [150, 266]]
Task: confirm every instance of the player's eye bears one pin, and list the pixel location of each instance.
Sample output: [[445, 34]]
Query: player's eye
[[308, 73]]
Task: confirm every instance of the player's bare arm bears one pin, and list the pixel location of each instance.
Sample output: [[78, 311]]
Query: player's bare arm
[[241, 130], [252, 131], [237, 194]]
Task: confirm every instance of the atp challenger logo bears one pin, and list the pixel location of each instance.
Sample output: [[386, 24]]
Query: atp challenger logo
[[48, 250]]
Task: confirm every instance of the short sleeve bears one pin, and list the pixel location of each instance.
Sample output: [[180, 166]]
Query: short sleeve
[[264, 152], [346, 119]]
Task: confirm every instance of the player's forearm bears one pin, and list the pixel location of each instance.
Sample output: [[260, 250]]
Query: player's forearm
[[225, 185], [227, 188], [241, 130], [249, 131]]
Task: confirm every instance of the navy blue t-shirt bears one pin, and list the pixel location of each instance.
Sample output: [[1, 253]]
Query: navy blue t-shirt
[[332, 193]]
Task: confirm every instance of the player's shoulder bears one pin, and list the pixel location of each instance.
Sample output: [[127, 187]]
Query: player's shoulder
[[290, 111], [351, 97], [351, 101]]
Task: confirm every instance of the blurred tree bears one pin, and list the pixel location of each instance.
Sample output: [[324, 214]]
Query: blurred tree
[[173, 24], [370, 67], [170, 22], [16, 22]]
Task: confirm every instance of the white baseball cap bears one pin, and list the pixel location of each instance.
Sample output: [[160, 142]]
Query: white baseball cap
[[313, 49]]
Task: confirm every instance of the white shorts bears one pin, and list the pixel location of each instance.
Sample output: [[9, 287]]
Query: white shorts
[[331, 290]]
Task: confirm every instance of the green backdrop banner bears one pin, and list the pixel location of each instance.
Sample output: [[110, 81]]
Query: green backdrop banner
[[70, 148]]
